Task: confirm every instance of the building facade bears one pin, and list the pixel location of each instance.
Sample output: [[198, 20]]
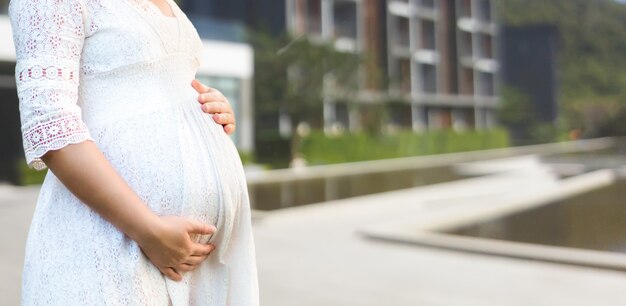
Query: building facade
[[11, 150], [436, 61], [442, 55], [439, 56]]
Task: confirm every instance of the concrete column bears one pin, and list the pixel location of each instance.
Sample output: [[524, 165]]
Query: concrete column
[[434, 119], [328, 24], [459, 120], [490, 119], [418, 114], [330, 114], [479, 118], [354, 118], [246, 125], [284, 124]]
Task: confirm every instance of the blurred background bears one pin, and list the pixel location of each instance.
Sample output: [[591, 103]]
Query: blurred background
[[407, 152]]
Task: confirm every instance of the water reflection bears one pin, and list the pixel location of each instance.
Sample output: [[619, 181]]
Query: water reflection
[[595, 220], [301, 192]]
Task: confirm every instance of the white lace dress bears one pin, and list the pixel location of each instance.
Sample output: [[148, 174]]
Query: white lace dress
[[119, 72]]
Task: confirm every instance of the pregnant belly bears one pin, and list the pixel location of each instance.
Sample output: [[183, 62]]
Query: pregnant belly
[[177, 159]]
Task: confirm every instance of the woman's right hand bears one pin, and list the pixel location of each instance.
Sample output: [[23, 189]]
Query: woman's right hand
[[170, 247]]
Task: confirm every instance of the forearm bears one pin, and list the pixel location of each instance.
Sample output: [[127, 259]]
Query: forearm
[[84, 170]]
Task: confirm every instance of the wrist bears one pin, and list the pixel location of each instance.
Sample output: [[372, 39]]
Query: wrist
[[144, 228]]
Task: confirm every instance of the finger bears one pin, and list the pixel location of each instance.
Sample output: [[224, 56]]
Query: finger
[[229, 128], [185, 267], [196, 260], [199, 249], [216, 107], [196, 227], [199, 87], [212, 96], [223, 118], [171, 274]]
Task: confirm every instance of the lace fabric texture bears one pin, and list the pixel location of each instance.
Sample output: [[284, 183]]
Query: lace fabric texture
[[118, 72]]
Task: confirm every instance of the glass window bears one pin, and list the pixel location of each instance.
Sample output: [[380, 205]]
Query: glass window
[[314, 19], [429, 78], [403, 31], [345, 19], [4, 4], [428, 35]]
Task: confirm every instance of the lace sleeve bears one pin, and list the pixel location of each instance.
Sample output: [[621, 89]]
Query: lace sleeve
[[48, 37]]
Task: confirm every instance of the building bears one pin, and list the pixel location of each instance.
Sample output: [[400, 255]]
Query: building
[[11, 150], [529, 55], [443, 59], [438, 58]]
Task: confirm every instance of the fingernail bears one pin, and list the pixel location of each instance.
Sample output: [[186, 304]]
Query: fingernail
[[201, 98], [216, 117]]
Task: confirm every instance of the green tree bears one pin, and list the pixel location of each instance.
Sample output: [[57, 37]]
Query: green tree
[[592, 59], [294, 74]]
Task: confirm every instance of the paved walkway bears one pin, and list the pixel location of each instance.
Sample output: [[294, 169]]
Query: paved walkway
[[16, 209], [314, 255]]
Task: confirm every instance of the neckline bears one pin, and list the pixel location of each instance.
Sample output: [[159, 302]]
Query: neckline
[[160, 12]]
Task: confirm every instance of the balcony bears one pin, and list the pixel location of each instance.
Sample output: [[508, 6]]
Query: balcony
[[425, 56], [399, 8], [426, 9]]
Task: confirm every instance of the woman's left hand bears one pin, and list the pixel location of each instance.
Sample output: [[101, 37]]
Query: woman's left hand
[[215, 103]]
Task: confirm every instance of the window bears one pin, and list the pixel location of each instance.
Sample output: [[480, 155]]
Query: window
[[345, 19], [485, 10], [428, 35], [402, 32], [314, 17], [486, 84], [465, 44], [4, 5], [466, 8], [402, 79], [429, 78], [467, 81], [428, 4], [486, 46]]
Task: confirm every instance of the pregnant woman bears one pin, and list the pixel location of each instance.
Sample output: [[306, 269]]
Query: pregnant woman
[[146, 201]]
